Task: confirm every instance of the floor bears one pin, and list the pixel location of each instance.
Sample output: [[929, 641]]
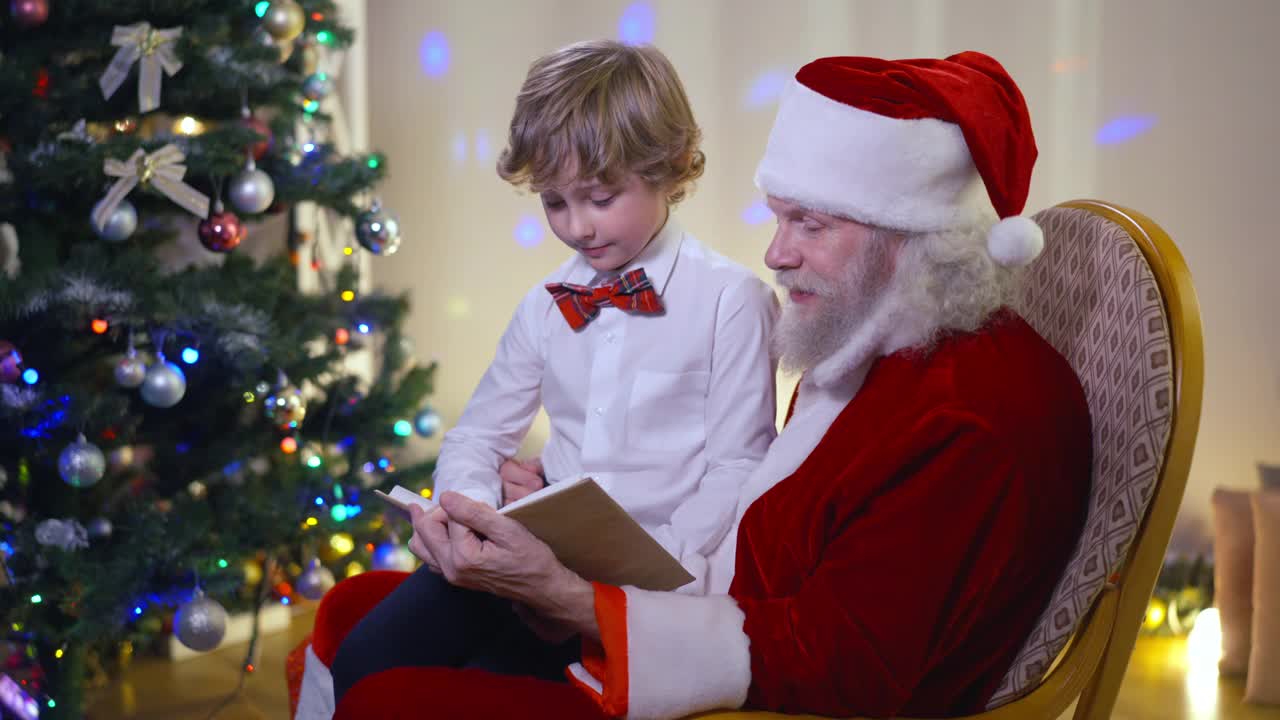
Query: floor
[[1160, 685]]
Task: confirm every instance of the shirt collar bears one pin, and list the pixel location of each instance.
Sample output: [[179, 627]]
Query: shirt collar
[[658, 260]]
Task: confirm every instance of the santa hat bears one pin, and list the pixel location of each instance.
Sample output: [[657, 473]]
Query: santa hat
[[911, 145]]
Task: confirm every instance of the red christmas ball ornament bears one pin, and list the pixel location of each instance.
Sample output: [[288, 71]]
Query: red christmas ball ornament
[[222, 231], [41, 88], [29, 13], [10, 362], [259, 126]]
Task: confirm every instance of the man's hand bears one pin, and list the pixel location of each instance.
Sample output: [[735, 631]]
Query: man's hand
[[553, 632], [478, 549], [418, 516], [520, 478]]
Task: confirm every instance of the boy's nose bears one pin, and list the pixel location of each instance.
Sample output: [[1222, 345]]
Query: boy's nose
[[580, 228]]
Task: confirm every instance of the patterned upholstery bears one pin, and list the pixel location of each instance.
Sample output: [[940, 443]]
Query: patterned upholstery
[[1094, 298]]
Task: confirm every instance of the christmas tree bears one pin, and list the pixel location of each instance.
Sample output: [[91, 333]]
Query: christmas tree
[[182, 429]]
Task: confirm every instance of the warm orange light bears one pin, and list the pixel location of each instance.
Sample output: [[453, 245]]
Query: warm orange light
[[342, 336], [99, 325], [289, 445]]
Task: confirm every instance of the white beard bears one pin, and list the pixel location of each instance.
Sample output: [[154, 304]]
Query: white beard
[[805, 336]]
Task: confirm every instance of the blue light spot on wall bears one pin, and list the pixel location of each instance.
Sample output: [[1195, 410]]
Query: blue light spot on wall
[[757, 213], [637, 23], [1124, 128], [484, 147], [766, 88], [433, 54], [460, 148], [529, 232]]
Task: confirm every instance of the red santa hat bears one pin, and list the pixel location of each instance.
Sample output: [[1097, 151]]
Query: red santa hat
[[912, 145]]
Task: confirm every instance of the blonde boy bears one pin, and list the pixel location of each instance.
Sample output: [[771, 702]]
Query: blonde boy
[[648, 351]]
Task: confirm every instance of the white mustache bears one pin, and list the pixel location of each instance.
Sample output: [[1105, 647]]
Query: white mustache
[[791, 280]]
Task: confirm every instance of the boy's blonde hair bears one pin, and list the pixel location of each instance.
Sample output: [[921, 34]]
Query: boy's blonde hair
[[605, 109]]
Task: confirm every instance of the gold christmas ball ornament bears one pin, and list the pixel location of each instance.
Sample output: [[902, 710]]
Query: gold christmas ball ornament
[[284, 20], [309, 58], [120, 458], [286, 408], [283, 48], [252, 572]]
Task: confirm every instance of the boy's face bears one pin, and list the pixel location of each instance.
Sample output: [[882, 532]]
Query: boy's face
[[607, 224]]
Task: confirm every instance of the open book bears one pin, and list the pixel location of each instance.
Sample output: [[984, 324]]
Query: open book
[[588, 531]]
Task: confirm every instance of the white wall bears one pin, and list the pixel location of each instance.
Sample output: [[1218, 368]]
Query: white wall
[[1200, 72]]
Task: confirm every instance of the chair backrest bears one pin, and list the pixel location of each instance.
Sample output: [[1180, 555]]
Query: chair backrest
[[1113, 295]]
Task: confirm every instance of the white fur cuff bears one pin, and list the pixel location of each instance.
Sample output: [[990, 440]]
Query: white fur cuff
[[315, 700], [684, 654]]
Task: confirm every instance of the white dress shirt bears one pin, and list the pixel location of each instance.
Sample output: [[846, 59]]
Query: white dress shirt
[[669, 413]]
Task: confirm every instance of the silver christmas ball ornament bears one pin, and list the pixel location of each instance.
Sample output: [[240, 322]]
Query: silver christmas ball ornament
[[81, 464], [120, 224], [251, 190], [315, 581], [201, 623], [394, 556], [317, 86], [426, 422], [99, 528], [131, 370], [378, 230], [164, 385]]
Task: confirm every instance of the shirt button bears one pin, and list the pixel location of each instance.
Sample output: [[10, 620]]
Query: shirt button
[[600, 411], [609, 337]]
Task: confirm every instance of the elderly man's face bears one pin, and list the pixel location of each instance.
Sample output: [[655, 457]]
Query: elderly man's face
[[832, 271]]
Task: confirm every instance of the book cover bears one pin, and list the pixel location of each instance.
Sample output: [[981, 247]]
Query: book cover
[[588, 531]]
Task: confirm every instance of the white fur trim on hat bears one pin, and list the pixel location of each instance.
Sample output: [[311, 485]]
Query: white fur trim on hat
[[1015, 241], [911, 175]]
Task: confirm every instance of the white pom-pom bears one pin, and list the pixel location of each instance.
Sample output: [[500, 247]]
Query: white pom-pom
[[1015, 241]]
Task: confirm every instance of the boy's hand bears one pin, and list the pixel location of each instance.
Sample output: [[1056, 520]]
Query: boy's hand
[[520, 478]]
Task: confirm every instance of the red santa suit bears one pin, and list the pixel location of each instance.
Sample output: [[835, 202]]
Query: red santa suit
[[899, 568]]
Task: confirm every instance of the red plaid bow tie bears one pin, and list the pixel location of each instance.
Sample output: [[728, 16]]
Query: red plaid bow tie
[[581, 304]]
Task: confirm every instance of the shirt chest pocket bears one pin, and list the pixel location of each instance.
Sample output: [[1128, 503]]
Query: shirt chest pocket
[[667, 411]]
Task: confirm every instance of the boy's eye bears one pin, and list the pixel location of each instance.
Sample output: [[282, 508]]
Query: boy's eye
[[603, 202], [552, 204]]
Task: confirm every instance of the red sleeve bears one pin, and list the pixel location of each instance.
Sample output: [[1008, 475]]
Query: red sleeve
[[904, 574]]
